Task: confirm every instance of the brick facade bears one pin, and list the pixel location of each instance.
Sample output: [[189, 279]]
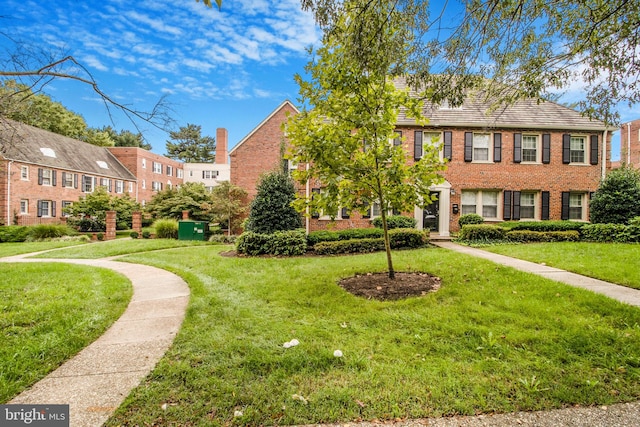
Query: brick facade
[[630, 143], [153, 171], [544, 184]]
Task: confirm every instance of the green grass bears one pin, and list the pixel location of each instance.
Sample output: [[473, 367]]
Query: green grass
[[492, 339], [612, 262], [49, 312], [9, 249], [120, 247]]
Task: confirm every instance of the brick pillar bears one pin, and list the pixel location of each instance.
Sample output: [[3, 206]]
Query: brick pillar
[[185, 215], [111, 226], [136, 223]]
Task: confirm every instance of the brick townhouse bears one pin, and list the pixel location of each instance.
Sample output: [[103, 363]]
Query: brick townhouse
[[529, 161], [630, 143], [154, 172], [211, 174], [42, 172]]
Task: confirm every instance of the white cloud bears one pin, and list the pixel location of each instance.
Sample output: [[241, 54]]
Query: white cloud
[[92, 62], [153, 23]]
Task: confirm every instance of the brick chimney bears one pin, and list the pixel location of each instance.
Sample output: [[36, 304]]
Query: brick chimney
[[221, 146]]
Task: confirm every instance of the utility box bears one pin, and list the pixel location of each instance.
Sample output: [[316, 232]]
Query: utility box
[[192, 230]]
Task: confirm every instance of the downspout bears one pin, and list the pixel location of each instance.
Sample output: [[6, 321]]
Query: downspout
[[9, 192], [628, 143], [604, 154]]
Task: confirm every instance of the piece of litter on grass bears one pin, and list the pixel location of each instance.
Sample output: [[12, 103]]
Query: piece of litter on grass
[[300, 398], [164, 406], [294, 342], [237, 414], [337, 353]]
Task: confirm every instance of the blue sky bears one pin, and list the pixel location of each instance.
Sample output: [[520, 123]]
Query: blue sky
[[227, 68]]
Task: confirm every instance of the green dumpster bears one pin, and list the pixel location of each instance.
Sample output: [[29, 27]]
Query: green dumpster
[[191, 230]]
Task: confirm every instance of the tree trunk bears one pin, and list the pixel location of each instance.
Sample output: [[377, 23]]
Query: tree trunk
[[385, 229]]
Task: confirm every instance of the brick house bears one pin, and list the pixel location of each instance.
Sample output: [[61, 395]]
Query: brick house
[[42, 172], [529, 161], [630, 143], [211, 174], [154, 172]]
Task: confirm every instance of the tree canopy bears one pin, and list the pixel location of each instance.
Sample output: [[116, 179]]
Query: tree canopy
[[347, 134], [191, 196], [524, 48], [190, 146]]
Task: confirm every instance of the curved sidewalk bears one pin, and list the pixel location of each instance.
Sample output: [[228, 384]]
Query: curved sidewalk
[[97, 380], [617, 292]]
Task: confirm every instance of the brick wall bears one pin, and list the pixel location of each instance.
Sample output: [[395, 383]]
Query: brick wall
[[630, 138], [140, 163]]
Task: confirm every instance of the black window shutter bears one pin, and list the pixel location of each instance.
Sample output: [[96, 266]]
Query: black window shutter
[[417, 145], [39, 178], [110, 185], [39, 208], [397, 141], [507, 206], [54, 176], [545, 205], [75, 180], [345, 213], [64, 179], [517, 147], [594, 149], [516, 205], [468, 146], [546, 148], [447, 145], [566, 148], [53, 208], [565, 206], [497, 147]]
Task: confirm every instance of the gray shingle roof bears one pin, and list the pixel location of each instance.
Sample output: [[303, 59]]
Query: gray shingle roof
[[524, 114], [28, 144]]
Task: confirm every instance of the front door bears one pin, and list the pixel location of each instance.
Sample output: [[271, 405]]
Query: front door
[[430, 215]]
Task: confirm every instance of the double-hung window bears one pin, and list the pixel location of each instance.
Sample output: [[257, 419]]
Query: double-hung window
[[481, 147], [575, 206], [157, 167], [483, 203], [24, 173], [530, 148], [87, 184], [119, 186], [24, 207], [578, 149], [46, 177], [46, 208], [527, 205]]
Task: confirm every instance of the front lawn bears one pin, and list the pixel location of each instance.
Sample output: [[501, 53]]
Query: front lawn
[[611, 262], [492, 339], [10, 249], [48, 313]]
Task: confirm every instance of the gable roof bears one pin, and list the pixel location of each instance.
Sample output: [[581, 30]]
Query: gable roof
[[273, 113], [477, 111], [28, 144]]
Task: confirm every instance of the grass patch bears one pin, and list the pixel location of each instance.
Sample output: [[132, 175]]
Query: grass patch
[[612, 262], [48, 313], [492, 339], [120, 247], [10, 249]]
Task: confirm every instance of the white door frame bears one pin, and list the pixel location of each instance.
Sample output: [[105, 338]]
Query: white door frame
[[444, 211]]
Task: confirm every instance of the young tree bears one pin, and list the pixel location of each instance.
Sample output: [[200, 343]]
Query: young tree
[[191, 196], [345, 137], [228, 205], [191, 146], [618, 197], [89, 212], [271, 210]]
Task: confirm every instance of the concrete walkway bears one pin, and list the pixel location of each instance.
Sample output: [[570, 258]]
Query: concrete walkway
[[617, 292], [96, 381]]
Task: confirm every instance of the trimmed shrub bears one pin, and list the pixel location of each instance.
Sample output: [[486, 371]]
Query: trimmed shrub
[[631, 234], [166, 228], [271, 209], [635, 221], [134, 235], [322, 236], [528, 236], [13, 233], [407, 238], [470, 218], [611, 233], [355, 246], [395, 221], [223, 238], [289, 243], [100, 236], [146, 235], [482, 232], [49, 231], [544, 225], [617, 199], [360, 233]]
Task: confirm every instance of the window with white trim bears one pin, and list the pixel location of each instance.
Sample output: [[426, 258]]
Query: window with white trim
[[530, 148], [24, 207], [87, 184], [156, 186], [527, 205], [130, 187], [119, 186], [481, 152], [144, 163], [157, 167], [46, 208], [483, 203], [144, 184], [179, 173], [47, 177], [433, 139], [67, 179], [65, 204], [24, 173], [209, 174], [578, 149], [576, 206], [169, 171]]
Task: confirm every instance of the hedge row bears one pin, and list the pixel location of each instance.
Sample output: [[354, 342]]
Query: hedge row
[[611, 233], [399, 238], [288, 243], [528, 236], [20, 233], [543, 225], [316, 237]]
